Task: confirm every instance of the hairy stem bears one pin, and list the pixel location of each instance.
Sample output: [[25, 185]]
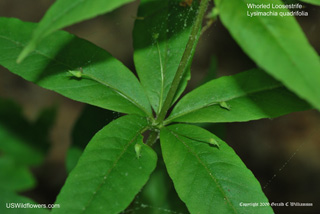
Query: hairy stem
[[187, 55]]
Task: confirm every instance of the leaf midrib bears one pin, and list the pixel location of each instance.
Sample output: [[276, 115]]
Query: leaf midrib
[[105, 177], [162, 79], [119, 92], [223, 100], [124, 95], [206, 169], [162, 64]]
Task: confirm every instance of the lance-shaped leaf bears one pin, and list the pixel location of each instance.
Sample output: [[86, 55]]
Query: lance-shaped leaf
[[277, 44], [67, 12], [249, 95], [209, 179], [105, 81], [109, 174], [161, 34], [315, 2]]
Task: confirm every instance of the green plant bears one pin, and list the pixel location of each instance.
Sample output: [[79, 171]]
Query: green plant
[[207, 174], [23, 145]]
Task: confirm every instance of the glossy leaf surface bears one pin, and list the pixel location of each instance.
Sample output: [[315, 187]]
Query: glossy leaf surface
[[209, 179], [245, 96], [105, 81], [161, 33], [67, 12]]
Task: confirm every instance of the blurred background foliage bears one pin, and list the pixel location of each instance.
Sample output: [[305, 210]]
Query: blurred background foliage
[[42, 133]]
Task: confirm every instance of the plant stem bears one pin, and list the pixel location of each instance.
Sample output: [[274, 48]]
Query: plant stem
[[152, 138], [187, 55]]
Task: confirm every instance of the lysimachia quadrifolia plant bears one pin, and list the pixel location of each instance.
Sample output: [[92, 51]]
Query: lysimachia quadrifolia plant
[[207, 174]]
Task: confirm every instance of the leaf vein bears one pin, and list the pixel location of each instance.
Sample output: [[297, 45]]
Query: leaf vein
[[105, 177], [206, 169]]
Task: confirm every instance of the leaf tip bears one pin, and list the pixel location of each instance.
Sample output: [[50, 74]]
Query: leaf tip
[[214, 142], [77, 74], [225, 105]]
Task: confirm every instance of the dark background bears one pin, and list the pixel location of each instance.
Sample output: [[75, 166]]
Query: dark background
[[283, 153]]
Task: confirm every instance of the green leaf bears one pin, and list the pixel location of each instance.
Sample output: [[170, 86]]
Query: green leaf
[[248, 95], [67, 12], [14, 177], [198, 169], [24, 141], [277, 44], [315, 2], [202, 137], [12, 203], [161, 34], [105, 81], [108, 174]]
